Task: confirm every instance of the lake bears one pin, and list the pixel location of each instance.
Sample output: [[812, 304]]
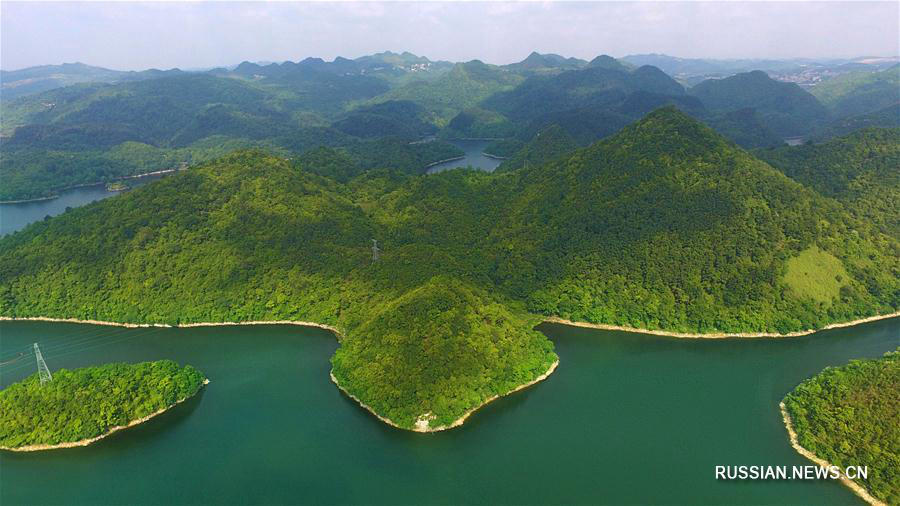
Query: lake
[[473, 156], [15, 216], [625, 419]]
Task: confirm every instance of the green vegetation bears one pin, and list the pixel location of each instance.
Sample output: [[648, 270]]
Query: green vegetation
[[889, 117], [859, 170], [387, 119], [666, 225], [87, 402], [452, 346], [476, 123], [848, 416], [461, 88], [745, 128], [862, 92], [815, 274], [19, 83], [549, 144], [785, 108]]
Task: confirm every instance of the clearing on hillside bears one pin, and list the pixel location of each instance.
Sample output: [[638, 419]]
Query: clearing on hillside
[[815, 274]]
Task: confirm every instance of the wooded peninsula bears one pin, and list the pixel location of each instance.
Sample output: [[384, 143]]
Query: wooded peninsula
[[666, 225]]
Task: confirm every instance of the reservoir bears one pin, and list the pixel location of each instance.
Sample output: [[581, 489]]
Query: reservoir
[[625, 419], [474, 157], [15, 216]]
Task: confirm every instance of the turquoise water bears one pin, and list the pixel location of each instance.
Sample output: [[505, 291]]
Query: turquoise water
[[625, 419]]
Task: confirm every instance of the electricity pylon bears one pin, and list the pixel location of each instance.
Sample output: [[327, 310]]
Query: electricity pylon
[[43, 372], [375, 251]]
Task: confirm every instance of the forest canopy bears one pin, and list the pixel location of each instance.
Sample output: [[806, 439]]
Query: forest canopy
[[666, 225], [848, 416], [87, 402]]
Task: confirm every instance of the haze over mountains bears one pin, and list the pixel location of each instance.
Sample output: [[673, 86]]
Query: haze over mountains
[[74, 124]]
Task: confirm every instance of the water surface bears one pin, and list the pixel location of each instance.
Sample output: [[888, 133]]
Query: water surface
[[625, 419], [474, 157], [15, 217]]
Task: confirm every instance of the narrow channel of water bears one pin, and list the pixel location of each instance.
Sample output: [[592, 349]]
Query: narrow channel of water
[[625, 419]]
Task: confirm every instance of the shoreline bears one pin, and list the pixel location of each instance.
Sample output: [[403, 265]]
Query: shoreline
[[857, 489], [166, 325], [495, 157], [424, 428], [86, 185], [25, 201], [718, 335], [111, 431], [432, 164]]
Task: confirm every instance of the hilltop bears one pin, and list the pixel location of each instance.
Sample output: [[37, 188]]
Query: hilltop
[[665, 225]]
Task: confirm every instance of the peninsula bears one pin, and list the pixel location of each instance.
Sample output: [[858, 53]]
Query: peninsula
[[847, 416], [666, 226], [81, 406]]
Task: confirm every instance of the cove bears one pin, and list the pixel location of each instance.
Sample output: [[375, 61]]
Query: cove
[[626, 418], [474, 156]]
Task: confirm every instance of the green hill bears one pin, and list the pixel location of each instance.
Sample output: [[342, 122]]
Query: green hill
[[784, 107], [547, 145], [463, 87], [847, 416], [862, 92], [665, 225], [95, 133], [859, 170], [889, 117], [32, 80]]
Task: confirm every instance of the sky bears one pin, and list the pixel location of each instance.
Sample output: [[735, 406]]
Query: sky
[[133, 36]]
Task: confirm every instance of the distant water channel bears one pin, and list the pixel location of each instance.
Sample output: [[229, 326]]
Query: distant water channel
[[473, 157], [14, 217], [625, 419]]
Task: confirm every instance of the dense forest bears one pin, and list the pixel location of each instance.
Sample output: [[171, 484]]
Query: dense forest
[[87, 402], [666, 225], [94, 125], [848, 416], [859, 170]]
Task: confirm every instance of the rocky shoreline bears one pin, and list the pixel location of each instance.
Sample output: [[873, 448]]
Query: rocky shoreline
[[852, 485], [718, 335], [111, 431], [422, 424]]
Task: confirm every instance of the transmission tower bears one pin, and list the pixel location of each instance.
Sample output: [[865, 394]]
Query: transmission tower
[[42, 366], [375, 251]]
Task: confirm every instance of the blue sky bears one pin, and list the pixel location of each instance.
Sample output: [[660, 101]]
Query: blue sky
[[124, 35]]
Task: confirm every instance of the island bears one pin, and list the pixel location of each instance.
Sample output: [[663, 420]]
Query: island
[[81, 406], [847, 416]]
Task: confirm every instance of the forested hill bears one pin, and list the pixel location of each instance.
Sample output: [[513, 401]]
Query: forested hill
[[785, 107], [664, 225], [861, 170]]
